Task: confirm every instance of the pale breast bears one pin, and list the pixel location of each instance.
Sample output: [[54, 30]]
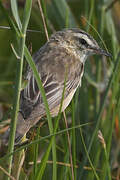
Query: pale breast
[[66, 102]]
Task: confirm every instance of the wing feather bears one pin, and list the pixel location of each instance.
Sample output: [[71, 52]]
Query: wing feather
[[53, 83]]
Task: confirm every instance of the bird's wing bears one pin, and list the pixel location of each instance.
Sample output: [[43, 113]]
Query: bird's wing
[[31, 96], [52, 79]]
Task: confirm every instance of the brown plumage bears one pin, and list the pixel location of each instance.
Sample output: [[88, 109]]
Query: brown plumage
[[63, 56]]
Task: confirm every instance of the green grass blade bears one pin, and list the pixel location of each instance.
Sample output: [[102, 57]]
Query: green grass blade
[[98, 119], [42, 166], [36, 74], [32, 65], [73, 138], [17, 88], [26, 15], [39, 82], [9, 20], [15, 13], [91, 164], [42, 139]]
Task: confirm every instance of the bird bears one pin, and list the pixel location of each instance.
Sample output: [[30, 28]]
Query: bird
[[64, 55]]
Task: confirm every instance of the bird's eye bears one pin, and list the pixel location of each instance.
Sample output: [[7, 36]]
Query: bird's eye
[[83, 42]]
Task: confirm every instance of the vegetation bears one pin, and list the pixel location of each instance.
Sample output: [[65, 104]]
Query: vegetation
[[88, 145]]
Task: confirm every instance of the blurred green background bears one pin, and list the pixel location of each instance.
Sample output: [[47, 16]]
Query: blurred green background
[[104, 16]]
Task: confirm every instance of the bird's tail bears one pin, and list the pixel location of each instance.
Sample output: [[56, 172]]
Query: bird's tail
[[21, 129]]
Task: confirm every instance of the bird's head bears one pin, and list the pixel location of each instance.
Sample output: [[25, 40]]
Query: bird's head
[[81, 43]]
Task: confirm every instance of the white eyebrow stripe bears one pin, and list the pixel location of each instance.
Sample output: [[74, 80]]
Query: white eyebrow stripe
[[84, 36]]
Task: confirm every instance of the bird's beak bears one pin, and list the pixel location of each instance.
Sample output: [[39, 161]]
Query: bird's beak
[[102, 52]]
